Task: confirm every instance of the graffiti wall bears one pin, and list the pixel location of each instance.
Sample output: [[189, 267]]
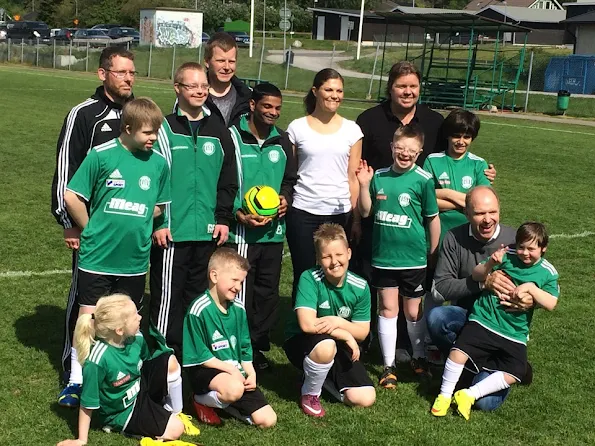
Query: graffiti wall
[[165, 28]]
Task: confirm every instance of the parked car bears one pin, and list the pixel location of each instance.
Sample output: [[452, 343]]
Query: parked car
[[242, 38], [105, 26], [65, 34], [95, 37], [205, 37], [124, 31], [28, 30]]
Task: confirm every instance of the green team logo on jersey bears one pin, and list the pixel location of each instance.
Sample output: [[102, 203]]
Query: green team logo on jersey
[[404, 199], [144, 182], [344, 312], [395, 220], [467, 182], [234, 341], [121, 206], [274, 156], [208, 148]]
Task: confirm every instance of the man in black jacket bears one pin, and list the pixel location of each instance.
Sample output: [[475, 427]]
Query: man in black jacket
[[92, 122], [229, 97]]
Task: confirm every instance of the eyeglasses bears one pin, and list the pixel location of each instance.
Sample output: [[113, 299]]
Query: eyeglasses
[[122, 74], [194, 87], [398, 149]]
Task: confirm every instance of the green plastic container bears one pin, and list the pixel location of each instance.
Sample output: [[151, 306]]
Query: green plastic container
[[563, 100]]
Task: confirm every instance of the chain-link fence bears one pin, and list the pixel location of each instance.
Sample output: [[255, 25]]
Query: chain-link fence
[[363, 78]]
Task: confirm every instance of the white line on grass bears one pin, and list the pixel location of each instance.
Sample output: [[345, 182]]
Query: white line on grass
[[540, 128], [52, 272], [18, 274]]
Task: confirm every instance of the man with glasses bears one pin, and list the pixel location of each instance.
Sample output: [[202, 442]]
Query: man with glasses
[[91, 123], [198, 148]]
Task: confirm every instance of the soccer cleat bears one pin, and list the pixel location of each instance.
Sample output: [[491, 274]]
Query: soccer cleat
[[310, 405], [260, 361], [70, 395], [441, 406], [147, 441], [421, 368], [464, 402], [206, 414], [189, 428], [388, 379]]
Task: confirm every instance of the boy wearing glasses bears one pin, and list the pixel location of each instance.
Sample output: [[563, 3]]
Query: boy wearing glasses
[[402, 198], [91, 123], [200, 154]]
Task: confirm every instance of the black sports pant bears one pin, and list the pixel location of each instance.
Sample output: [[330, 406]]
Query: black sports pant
[[72, 313], [301, 226], [178, 276], [260, 290]]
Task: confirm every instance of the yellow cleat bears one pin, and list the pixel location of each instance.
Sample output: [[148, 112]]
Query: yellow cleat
[[441, 406], [189, 428], [464, 402]]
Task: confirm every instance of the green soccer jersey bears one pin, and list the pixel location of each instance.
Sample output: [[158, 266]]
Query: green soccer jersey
[[210, 333], [461, 175], [400, 202], [112, 380], [514, 326], [257, 165], [351, 300], [122, 189]]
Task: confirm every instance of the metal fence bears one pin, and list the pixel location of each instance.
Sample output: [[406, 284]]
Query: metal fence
[[363, 78]]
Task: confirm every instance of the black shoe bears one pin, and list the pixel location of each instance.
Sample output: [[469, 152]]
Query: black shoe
[[421, 368], [260, 361]]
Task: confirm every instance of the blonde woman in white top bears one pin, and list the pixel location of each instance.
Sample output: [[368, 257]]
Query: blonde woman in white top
[[328, 150]]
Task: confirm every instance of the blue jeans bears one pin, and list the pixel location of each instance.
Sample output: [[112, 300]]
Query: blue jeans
[[444, 325]]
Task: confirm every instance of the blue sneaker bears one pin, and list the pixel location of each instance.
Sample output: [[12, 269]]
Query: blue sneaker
[[70, 395]]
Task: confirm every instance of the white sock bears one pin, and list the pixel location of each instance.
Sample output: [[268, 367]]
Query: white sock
[[315, 374], [174, 401], [492, 384], [76, 370], [417, 333], [210, 399], [450, 377], [387, 335]]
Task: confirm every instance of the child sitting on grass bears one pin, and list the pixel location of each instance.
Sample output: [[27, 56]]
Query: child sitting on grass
[[131, 391], [495, 339]]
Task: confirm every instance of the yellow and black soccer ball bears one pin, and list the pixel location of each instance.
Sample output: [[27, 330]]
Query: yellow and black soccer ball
[[262, 200]]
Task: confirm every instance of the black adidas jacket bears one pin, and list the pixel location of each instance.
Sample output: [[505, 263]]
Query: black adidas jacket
[[90, 123]]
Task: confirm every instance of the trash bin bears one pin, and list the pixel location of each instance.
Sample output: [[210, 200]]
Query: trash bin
[[563, 100], [289, 55]]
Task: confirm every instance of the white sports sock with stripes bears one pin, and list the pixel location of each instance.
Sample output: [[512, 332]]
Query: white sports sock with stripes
[[492, 384], [76, 370], [387, 335]]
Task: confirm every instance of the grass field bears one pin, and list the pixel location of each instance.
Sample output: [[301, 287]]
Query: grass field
[[545, 172]]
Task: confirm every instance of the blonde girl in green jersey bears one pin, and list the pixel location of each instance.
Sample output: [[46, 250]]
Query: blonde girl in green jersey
[[130, 390]]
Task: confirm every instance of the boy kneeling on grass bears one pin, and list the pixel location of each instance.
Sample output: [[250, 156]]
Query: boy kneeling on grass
[[495, 339], [332, 314], [217, 351]]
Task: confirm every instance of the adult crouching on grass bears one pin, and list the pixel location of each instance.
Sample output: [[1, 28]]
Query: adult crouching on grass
[[327, 148]]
